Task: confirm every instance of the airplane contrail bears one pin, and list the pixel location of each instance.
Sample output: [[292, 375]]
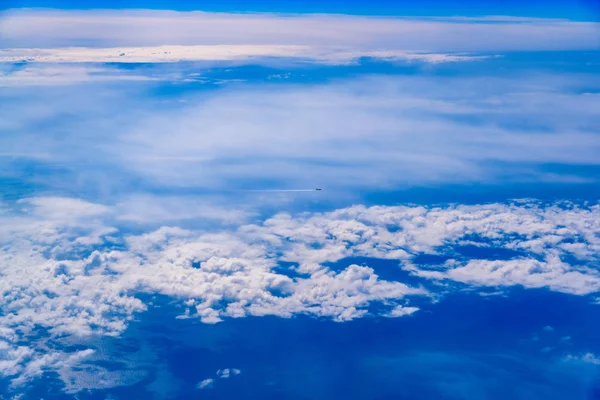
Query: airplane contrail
[[278, 190]]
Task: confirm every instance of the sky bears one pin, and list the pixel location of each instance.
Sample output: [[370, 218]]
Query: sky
[[577, 9], [161, 234]]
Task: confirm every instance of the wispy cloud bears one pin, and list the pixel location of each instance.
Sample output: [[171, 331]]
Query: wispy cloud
[[171, 54], [98, 28], [377, 132], [205, 384], [61, 74], [587, 358]]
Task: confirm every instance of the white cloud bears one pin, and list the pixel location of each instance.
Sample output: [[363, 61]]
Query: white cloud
[[171, 54], [400, 311], [51, 36], [26, 364], [51, 28], [370, 133], [205, 384], [227, 372], [548, 328], [146, 209], [56, 75], [63, 209], [587, 358], [375, 133], [551, 273], [53, 279]]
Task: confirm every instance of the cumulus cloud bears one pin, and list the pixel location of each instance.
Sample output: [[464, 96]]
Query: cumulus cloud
[[73, 268], [72, 287], [227, 372], [220, 374], [552, 273], [77, 288]]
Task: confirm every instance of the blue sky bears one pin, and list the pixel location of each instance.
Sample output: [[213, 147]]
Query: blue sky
[[161, 235], [580, 10]]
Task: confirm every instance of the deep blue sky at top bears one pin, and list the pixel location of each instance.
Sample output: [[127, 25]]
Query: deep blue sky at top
[[572, 9]]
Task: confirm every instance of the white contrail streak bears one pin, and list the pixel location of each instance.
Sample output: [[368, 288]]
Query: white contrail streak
[[278, 190]]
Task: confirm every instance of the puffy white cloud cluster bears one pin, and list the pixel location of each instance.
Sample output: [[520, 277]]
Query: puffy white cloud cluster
[[66, 271], [222, 374], [227, 372], [560, 245], [233, 275]]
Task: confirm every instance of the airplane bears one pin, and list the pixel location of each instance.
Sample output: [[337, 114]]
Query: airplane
[[317, 189]]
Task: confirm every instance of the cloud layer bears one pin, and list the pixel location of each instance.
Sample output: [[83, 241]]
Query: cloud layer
[[75, 271], [98, 28], [171, 54], [139, 36], [371, 132], [66, 271]]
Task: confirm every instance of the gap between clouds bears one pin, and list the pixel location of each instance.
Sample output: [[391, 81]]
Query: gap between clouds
[[65, 269]]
